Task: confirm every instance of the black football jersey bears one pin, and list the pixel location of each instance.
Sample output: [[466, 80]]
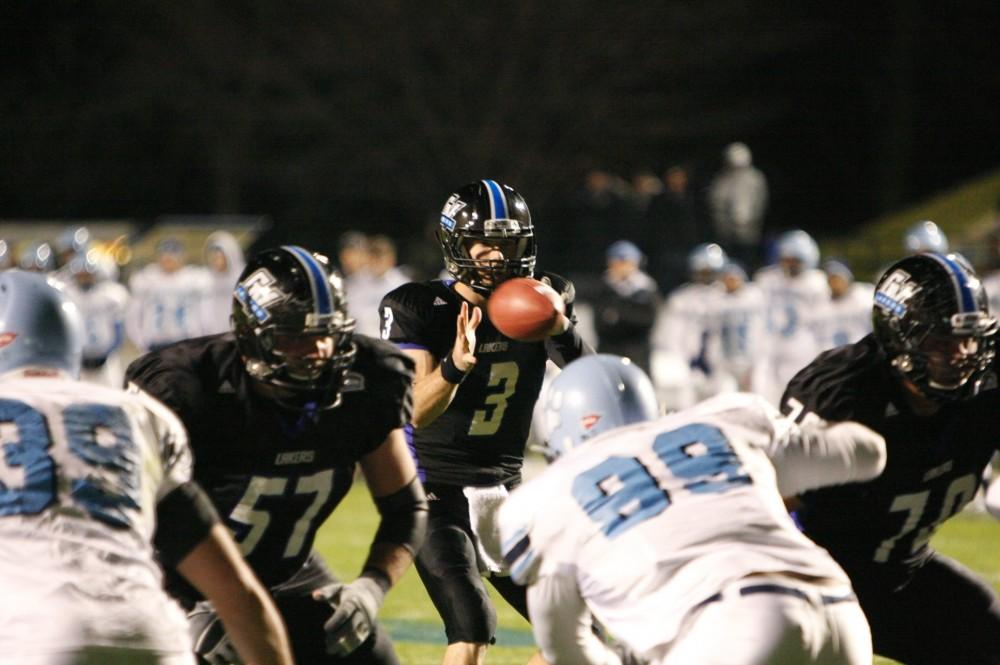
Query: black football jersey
[[934, 464], [479, 439], [275, 475]]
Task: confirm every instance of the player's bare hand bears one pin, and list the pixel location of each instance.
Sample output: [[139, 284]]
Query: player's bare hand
[[463, 353]]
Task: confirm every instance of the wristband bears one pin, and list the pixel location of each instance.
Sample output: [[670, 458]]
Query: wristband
[[450, 372], [379, 577]]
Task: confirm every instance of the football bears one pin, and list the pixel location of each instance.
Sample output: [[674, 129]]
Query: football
[[524, 309]]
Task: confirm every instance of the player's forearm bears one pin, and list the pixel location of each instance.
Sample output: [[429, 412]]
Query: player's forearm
[[255, 627], [817, 455], [401, 530], [432, 394], [216, 568], [566, 347], [389, 559]]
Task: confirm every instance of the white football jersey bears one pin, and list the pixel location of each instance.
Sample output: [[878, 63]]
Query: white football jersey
[[736, 326], [654, 518], [847, 319], [166, 307], [792, 305], [83, 469], [682, 322], [103, 312]]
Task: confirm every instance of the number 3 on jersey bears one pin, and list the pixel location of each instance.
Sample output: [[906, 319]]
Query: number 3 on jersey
[[487, 421], [620, 492]]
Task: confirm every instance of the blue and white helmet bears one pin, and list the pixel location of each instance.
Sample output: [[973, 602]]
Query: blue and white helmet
[[39, 325], [799, 245], [707, 257], [592, 395], [73, 240], [38, 256], [925, 236]]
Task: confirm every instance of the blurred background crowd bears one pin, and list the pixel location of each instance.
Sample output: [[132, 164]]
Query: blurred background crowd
[[690, 281]]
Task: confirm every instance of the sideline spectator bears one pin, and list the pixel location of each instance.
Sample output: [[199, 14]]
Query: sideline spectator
[[672, 214], [224, 260], [381, 276], [737, 198], [625, 305]]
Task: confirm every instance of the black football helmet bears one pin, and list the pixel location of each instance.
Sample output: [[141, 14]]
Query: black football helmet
[[932, 320], [488, 212], [288, 303]]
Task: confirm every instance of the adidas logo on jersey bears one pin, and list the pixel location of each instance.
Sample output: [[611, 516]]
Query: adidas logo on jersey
[[438, 300]]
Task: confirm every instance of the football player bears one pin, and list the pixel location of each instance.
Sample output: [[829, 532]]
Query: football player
[[37, 256], [925, 236], [921, 379], [795, 292], [847, 315], [672, 533], [280, 412], [167, 299], [102, 303], [736, 331], [682, 324], [87, 475], [473, 397]]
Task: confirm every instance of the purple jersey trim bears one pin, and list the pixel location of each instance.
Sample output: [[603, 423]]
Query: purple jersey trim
[[408, 345], [408, 433]]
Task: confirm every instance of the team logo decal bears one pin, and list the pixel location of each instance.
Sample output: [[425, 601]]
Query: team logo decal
[[258, 291], [589, 421], [895, 291], [451, 208], [7, 338]]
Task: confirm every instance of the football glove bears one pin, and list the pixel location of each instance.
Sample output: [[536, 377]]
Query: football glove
[[355, 608], [211, 643], [564, 288]]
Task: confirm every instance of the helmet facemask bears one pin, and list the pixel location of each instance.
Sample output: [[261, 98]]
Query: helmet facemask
[[512, 256], [945, 363], [496, 216]]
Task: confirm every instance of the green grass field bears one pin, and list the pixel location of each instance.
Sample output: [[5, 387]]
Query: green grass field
[[973, 539]]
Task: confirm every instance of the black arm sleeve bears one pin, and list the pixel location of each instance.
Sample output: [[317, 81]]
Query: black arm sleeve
[[183, 519], [404, 517], [566, 347]]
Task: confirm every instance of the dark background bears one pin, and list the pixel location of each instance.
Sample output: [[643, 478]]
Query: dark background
[[327, 116]]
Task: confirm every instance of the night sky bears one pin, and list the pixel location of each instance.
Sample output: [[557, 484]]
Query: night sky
[[328, 116]]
